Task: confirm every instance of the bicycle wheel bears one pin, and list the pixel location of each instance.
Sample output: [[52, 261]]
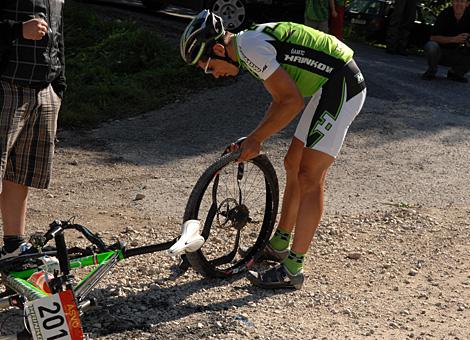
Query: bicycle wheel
[[237, 206]]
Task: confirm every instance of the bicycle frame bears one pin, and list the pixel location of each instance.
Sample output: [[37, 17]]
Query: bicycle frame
[[104, 258], [101, 259]]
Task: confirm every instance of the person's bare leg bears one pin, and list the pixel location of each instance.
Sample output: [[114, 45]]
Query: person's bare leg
[[312, 175], [290, 201], [306, 194], [13, 201]]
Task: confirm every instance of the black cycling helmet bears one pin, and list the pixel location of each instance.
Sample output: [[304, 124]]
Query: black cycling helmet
[[200, 35]]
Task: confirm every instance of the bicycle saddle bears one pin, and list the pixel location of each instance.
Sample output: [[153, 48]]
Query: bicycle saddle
[[190, 239]]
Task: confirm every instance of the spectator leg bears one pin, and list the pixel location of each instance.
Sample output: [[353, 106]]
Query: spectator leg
[[321, 26], [337, 24], [393, 30], [459, 60], [433, 54], [406, 25]]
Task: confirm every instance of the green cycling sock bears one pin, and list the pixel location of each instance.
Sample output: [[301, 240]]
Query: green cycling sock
[[294, 262], [280, 240]]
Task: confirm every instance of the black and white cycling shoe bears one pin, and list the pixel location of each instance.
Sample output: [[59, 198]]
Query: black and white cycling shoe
[[275, 278]]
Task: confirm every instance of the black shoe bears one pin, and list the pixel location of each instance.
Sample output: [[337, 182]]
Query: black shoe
[[428, 75], [456, 77], [24, 248], [276, 277], [267, 254]]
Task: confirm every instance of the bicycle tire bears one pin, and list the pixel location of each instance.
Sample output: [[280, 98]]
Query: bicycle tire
[[241, 218]]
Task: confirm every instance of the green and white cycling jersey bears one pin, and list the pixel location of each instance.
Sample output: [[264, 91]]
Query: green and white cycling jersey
[[309, 56]]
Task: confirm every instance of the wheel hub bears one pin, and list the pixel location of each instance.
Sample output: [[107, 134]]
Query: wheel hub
[[228, 11], [230, 214]]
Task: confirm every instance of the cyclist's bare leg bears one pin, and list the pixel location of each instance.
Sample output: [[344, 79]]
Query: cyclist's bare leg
[[13, 201], [290, 201], [312, 174]]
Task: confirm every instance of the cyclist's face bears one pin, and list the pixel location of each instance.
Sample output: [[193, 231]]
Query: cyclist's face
[[218, 68]]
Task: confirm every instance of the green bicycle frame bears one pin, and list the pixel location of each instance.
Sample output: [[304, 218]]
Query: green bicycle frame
[[18, 280]]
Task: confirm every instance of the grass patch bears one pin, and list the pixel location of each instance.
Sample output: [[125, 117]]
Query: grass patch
[[116, 68]]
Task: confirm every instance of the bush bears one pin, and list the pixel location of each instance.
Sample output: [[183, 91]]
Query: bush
[[115, 68]]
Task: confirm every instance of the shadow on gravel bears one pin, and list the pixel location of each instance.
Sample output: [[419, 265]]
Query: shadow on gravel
[[156, 305], [11, 322]]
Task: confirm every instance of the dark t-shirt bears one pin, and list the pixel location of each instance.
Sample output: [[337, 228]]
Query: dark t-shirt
[[446, 25]]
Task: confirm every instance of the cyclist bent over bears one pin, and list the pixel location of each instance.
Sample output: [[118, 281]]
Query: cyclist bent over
[[294, 61]]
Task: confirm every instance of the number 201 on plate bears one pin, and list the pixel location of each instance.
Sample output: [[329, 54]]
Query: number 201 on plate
[[55, 317]]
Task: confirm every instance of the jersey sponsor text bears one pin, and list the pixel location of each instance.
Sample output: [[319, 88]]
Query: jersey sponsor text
[[310, 62], [251, 64]]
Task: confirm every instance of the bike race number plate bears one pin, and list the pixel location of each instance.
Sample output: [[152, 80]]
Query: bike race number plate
[[55, 317]]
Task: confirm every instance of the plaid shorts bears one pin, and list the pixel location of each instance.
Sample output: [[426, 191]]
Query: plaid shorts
[[28, 124]]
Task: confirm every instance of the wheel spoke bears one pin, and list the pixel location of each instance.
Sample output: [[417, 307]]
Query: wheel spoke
[[229, 211]]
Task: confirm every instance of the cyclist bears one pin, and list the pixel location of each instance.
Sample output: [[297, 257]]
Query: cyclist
[[294, 61]]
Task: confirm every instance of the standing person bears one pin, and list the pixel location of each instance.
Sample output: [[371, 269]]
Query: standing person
[[450, 42], [317, 13], [336, 23], [399, 28], [32, 84], [293, 61]]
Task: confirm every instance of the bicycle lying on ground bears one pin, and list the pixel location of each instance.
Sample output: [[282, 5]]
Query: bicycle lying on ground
[[234, 203]]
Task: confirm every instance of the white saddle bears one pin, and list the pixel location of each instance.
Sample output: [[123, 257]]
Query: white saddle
[[190, 239]]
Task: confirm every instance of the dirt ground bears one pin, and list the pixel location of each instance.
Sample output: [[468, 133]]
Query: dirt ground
[[391, 258]]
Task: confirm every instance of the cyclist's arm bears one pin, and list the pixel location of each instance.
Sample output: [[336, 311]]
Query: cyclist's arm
[[287, 102]]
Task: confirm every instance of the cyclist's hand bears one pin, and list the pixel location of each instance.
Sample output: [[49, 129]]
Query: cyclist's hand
[[34, 29], [235, 145], [334, 14], [250, 149], [461, 38]]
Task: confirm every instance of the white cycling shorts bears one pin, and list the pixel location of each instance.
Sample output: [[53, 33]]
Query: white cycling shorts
[[331, 110]]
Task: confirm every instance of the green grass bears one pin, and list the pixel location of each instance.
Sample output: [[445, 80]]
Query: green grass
[[116, 69]]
